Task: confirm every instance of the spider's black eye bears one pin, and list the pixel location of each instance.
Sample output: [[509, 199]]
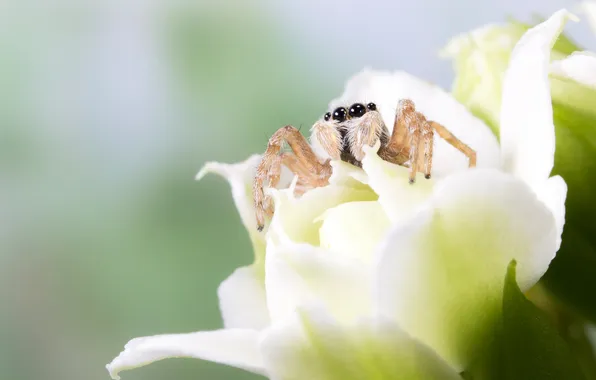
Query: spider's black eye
[[327, 116], [340, 114], [371, 106], [357, 110]]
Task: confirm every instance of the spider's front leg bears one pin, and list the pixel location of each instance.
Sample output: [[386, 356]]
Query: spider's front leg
[[421, 147], [302, 161], [411, 143], [446, 135]]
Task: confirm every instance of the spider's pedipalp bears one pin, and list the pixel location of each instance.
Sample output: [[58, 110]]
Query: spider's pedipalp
[[328, 136], [365, 130]]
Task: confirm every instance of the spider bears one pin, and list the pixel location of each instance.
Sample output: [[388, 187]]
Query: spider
[[341, 134]]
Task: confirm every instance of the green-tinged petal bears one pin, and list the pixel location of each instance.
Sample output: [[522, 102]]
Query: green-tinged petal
[[242, 299], [313, 346], [240, 177], [525, 343], [297, 217], [354, 229], [440, 277], [527, 129], [234, 347], [532, 346], [574, 114], [589, 9], [386, 88], [568, 94], [579, 66], [480, 59], [399, 198], [571, 275], [300, 274], [573, 86]]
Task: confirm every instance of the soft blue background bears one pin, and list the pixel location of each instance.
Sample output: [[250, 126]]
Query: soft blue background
[[107, 111]]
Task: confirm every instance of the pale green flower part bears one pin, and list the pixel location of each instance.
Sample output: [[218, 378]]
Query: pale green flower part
[[480, 58], [580, 67], [372, 278], [589, 9], [311, 345], [479, 61]]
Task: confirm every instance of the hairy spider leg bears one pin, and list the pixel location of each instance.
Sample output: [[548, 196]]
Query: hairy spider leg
[[411, 143], [302, 161], [446, 135]]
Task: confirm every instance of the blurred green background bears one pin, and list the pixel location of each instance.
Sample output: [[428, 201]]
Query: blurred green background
[[107, 111]]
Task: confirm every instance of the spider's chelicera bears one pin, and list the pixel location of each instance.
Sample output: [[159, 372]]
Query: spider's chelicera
[[342, 133]]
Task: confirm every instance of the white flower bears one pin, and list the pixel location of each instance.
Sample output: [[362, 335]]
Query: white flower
[[371, 277]]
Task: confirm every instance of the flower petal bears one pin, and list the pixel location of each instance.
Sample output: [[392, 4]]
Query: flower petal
[[589, 8], [238, 348], [240, 176], [441, 276], [387, 88], [527, 130], [313, 346], [579, 66], [354, 229], [479, 59], [300, 274], [345, 174], [398, 197], [553, 194], [242, 299], [296, 217]]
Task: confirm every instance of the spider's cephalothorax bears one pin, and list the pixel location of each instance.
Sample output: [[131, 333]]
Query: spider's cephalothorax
[[341, 134]]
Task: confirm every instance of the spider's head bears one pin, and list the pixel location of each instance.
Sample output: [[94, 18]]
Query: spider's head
[[332, 132], [356, 110]]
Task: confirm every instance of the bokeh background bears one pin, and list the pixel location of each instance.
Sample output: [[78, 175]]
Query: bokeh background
[[109, 108]]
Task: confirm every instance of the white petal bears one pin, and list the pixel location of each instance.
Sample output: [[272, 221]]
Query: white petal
[[240, 177], [527, 130], [242, 299], [387, 88], [553, 194], [441, 276], [345, 174], [399, 198], [589, 9], [354, 229], [296, 217], [579, 66], [300, 274], [238, 348], [314, 346]]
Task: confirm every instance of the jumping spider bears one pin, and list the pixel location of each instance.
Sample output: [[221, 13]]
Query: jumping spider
[[342, 134]]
